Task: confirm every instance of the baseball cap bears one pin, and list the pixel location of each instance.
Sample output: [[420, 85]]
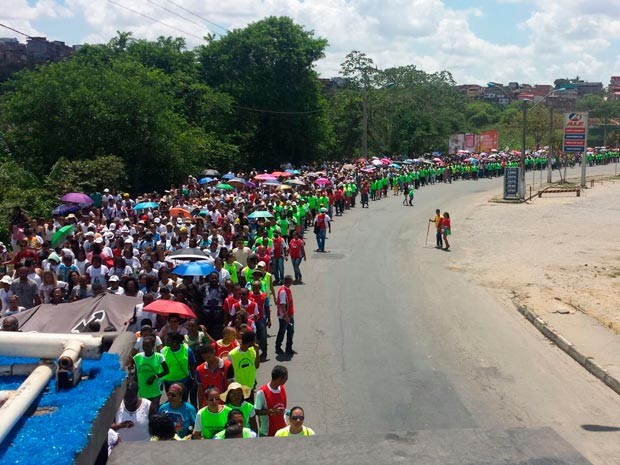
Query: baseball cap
[[113, 279], [156, 220], [261, 263]]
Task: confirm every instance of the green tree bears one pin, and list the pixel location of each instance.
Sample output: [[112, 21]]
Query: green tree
[[267, 68]]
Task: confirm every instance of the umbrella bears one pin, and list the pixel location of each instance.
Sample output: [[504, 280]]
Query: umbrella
[[395, 165], [297, 182], [376, 162], [211, 172], [206, 180], [264, 177], [250, 184], [189, 253], [197, 268], [179, 212], [322, 181], [224, 187], [292, 171], [60, 235], [167, 307], [367, 170], [237, 182], [283, 187], [64, 209], [437, 159], [228, 176], [260, 214], [145, 205], [386, 161], [271, 183], [348, 166], [278, 174], [77, 197]]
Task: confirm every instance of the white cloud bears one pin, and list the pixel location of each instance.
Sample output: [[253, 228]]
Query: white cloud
[[563, 37]]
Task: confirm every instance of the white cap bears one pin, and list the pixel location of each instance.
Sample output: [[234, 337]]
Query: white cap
[[112, 227], [157, 220], [99, 240], [113, 279], [6, 279]]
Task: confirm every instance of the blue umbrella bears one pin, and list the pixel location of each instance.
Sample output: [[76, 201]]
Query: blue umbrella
[[260, 214], [65, 209], [395, 165], [199, 268], [145, 205], [228, 176], [205, 180], [293, 171]]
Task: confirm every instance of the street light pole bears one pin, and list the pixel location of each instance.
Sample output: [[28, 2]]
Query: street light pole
[[365, 123], [522, 161], [550, 153]]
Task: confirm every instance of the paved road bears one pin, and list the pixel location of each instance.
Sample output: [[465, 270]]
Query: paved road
[[390, 338]]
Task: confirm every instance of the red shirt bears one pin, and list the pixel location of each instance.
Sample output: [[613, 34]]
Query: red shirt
[[296, 247], [222, 351], [260, 299], [251, 309], [273, 401], [228, 303], [217, 378], [278, 246]]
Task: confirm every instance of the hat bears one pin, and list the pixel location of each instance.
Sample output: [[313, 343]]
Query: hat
[[323, 210], [231, 387], [179, 220], [99, 240], [112, 227], [108, 235], [53, 256], [128, 240], [89, 233], [106, 190], [169, 224], [113, 279], [261, 263], [156, 220], [141, 222], [6, 279], [124, 229], [71, 216]]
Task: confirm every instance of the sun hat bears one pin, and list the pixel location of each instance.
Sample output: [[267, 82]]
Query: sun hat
[[233, 386], [6, 279]]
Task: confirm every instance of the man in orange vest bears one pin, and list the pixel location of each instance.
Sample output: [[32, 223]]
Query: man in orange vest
[[286, 320]]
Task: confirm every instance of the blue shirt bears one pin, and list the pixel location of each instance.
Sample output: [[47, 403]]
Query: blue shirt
[[183, 418]]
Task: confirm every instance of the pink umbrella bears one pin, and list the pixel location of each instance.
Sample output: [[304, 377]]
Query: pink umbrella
[[386, 161], [437, 159], [77, 197], [265, 177], [368, 170], [322, 181]]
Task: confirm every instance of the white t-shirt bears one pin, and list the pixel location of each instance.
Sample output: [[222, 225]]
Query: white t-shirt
[[140, 418], [98, 275]]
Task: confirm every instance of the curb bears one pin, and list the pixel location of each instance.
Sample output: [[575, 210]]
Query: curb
[[561, 342]]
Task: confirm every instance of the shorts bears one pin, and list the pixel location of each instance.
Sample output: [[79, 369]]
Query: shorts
[[446, 231]]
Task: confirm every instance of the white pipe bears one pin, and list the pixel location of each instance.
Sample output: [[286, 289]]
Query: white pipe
[[19, 369], [45, 345], [70, 355], [15, 407]]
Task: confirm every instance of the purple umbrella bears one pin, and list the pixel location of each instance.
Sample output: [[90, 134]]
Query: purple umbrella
[[77, 197]]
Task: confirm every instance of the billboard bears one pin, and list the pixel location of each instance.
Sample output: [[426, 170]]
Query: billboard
[[575, 132], [488, 140]]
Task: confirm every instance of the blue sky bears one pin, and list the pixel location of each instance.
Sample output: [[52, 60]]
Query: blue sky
[[534, 41]]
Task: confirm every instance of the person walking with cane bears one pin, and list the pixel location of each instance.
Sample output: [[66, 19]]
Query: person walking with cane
[[438, 236]]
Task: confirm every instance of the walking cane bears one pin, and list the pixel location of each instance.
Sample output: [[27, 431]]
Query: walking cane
[[428, 228]]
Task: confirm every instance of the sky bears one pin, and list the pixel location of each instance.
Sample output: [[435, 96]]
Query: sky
[[527, 41]]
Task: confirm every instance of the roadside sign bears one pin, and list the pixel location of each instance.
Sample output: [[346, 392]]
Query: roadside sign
[[511, 183], [575, 132]]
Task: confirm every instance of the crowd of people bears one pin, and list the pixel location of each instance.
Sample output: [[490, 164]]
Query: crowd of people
[[196, 378]]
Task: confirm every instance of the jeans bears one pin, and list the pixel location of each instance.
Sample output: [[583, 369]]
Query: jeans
[[296, 262], [261, 334], [439, 238], [278, 269], [289, 330], [320, 239]]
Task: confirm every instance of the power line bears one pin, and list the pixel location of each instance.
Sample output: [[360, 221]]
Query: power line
[[156, 20], [277, 112], [198, 16], [175, 13], [15, 30]]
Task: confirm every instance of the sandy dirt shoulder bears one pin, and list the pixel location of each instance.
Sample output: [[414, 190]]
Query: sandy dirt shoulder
[[558, 255]]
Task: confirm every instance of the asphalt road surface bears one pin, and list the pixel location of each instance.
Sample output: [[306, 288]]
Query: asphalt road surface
[[389, 338]]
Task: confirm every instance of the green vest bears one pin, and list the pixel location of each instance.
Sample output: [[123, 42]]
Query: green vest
[[213, 422], [145, 368], [232, 270], [243, 366], [246, 408], [266, 283], [178, 363], [222, 434]]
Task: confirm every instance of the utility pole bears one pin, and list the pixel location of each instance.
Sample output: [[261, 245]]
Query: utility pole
[[365, 120], [522, 161], [550, 154], [584, 155]]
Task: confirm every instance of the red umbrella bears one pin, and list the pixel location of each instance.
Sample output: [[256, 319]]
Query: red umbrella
[[179, 212], [167, 307]]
